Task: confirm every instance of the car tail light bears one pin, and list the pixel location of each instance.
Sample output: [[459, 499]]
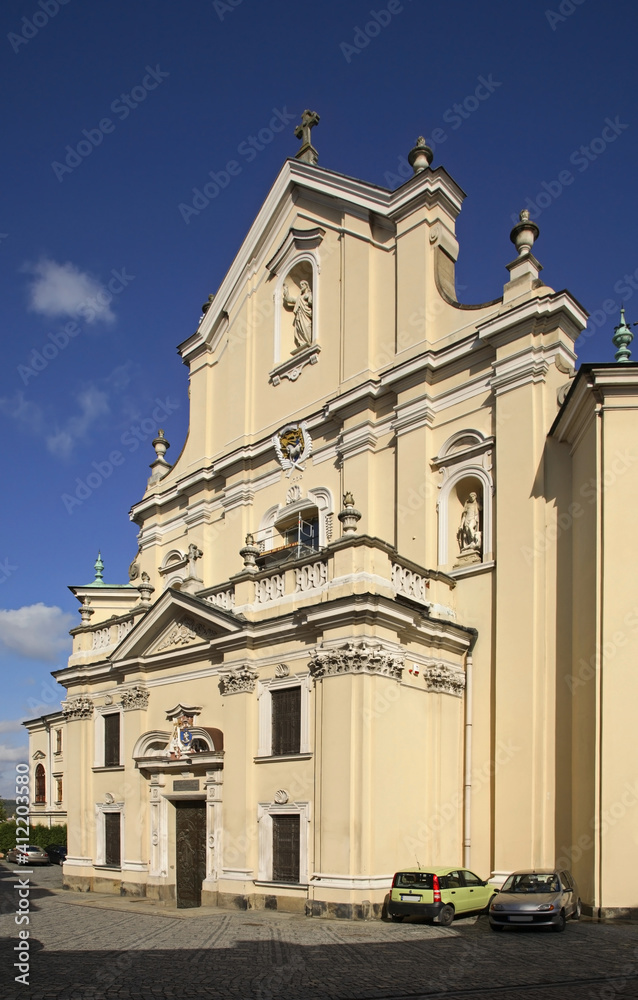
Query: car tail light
[[437, 888]]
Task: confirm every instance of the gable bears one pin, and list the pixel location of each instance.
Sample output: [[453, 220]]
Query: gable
[[176, 622]]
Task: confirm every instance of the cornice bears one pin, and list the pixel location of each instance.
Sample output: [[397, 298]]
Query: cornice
[[507, 324]]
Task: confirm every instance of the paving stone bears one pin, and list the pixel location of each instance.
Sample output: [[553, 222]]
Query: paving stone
[[90, 947]]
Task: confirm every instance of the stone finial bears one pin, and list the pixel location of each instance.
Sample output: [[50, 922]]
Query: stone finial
[[622, 338], [307, 151], [86, 611], [420, 156], [160, 444], [160, 466], [249, 554], [349, 516], [524, 233], [145, 588]]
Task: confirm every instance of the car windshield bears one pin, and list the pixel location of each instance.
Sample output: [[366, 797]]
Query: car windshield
[[531, 882], [420, 880]]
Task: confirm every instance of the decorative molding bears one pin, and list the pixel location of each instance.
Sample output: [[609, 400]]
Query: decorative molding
[[282, 670], [409, 584], [281, 796], [297, 241], [270, 589], [77, 708], [353, 658], [311, 576], [223, 599], [134, 698], [412, 415], [39, 755], [238, 680], [123, 628], [101, 638], [292, 367], [185, 633], [442, 679]]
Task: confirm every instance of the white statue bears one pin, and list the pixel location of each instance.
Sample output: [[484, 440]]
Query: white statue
[[302, 313], [469, 534]]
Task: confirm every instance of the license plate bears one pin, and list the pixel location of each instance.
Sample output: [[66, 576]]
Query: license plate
[[522, 919], [410, 899]]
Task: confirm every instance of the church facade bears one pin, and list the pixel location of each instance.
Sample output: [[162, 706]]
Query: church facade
[[381, 610]]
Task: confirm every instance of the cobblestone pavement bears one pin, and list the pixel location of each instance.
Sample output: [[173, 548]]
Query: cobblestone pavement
[[89, 947]]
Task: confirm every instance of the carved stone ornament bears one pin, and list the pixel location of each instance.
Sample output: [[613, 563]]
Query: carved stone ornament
[[77, 708], [443, 679], [281, 797], [239, 680], [282, 670], [355, 658], [134, 697], [185, 633], [293, 445]]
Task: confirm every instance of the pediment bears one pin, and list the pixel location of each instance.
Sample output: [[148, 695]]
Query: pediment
[[176, 622], [39, 755]]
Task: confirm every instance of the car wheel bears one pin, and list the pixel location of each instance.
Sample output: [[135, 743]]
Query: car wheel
[[577, 912], [560, 926], [446, 915], [496, 927], [397, 918]]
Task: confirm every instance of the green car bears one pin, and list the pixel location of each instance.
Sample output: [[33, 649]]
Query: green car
[[437, 894]]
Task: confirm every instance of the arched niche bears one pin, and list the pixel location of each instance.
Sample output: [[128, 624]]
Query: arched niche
[[465, 465], [280, 520]]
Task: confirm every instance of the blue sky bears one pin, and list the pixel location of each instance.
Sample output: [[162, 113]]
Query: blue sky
[[115, 112]]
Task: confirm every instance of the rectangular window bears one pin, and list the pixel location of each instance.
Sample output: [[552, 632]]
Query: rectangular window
[[285, 848], [58, 741], [112, 740], [58, 785], [286, 721], [112, 839]]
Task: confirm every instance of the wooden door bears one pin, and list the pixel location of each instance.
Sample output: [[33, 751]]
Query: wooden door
[[190, 852]]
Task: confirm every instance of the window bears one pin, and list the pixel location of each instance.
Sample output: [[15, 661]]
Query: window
[[58, 741], [285, 848], [112, 839], [112, 740], [471, 878], [58, 790], [286, 721], [284, 716], [40, 784]]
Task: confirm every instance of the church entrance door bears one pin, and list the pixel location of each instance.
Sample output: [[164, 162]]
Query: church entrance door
[[190, 852]]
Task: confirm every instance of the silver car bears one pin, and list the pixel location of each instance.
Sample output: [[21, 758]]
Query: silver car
[[29, 855], [542, 897]]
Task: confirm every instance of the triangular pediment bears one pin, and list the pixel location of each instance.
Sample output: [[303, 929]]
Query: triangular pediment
[[176, 622]]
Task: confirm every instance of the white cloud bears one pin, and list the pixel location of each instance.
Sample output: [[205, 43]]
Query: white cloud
[[21, 409], [64, 290], [36, 631], [61, 438], [93, 404], [11, 726]]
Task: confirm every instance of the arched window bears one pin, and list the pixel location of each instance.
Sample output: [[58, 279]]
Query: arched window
[[40, 784]]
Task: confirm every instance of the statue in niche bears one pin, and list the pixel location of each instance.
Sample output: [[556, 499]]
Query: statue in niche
[[302, 313], [469, 533]]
